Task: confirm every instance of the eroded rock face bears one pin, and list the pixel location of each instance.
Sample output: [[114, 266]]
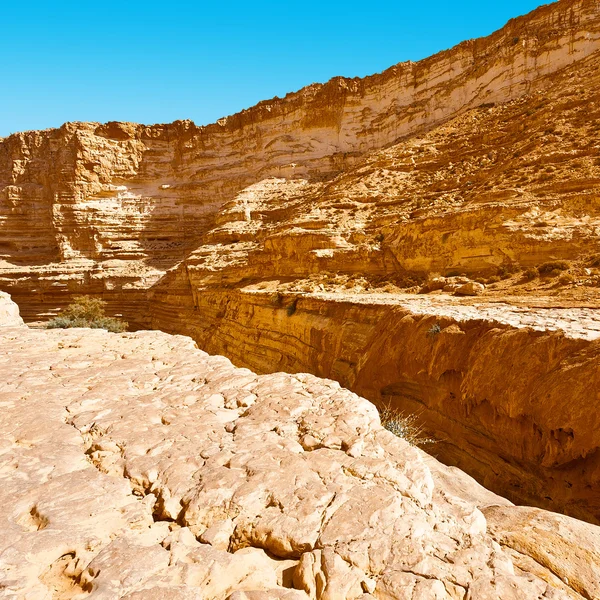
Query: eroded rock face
[[9, 312], [110, 208], [137, 466]]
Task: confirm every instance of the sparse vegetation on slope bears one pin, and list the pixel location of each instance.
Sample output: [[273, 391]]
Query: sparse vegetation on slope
[[404, 426], [87, 312]]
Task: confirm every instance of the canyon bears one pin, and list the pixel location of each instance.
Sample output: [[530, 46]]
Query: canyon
[[328, 232], [135, 465]]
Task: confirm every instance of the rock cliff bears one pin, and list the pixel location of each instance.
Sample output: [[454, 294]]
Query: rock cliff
[[110, 207], [148, 469], [295, 235]]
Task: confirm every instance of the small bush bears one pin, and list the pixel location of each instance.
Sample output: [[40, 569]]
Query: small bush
[[531, 273], [566, 279], [506, 270], [86, 312], [434, 330], [551, 267], [291, 309], [403, 426]]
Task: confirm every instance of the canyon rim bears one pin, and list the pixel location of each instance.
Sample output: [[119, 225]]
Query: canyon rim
[[425, 240]]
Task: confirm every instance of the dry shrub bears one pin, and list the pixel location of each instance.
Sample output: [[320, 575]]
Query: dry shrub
[[87, 312], [531, 273], [554, 267], [566, 279], [404, 426]]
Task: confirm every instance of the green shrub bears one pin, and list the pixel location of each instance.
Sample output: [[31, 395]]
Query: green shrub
[[86, 312], [434, 330], [553, 266], [291, 309], [531, 273]]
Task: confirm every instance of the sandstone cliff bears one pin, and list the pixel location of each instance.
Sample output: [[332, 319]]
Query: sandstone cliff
[[148, 469], [294, 236], [110, 207]]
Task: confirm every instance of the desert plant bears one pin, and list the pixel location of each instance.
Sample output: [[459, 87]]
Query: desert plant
[[86, 312], [531, 273], [549, 268], [434, 330], [404, 426], [291, 308], [566, 279], [506, 270]]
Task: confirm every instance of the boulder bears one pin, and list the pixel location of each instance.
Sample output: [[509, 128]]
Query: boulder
[[470, 289], [9, 312]]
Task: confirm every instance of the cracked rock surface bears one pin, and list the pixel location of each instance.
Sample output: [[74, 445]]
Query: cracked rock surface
[[137, 466]]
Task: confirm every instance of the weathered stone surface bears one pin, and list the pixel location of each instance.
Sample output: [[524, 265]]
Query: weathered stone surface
[[125, 457], [9, 312]]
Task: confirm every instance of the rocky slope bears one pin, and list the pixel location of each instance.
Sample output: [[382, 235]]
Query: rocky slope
[[137, 466], [295, 235]]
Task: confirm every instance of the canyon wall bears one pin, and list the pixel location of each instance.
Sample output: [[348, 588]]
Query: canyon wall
[[109, 208], [514, 407]]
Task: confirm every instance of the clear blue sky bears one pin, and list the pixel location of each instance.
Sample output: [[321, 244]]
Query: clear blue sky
[[154, 62]]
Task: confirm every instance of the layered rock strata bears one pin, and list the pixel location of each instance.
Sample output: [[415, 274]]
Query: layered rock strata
[[110, 207], [137, 466]]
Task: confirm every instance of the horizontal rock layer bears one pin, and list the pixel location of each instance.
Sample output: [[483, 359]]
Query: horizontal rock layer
[[111, 207]]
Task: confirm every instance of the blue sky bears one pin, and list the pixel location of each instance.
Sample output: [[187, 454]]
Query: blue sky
[[152, 62]]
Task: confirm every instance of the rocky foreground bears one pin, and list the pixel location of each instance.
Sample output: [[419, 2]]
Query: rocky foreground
[[137, 466]]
